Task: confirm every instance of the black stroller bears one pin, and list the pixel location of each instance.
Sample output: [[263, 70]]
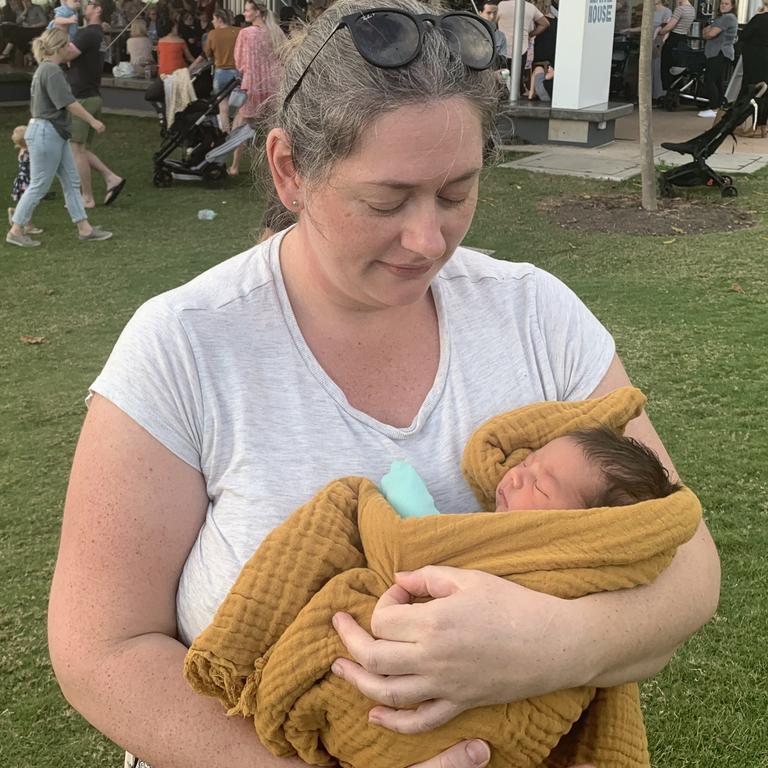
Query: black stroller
[[688, 83], [199, 143], [624, 57], [702, 146]]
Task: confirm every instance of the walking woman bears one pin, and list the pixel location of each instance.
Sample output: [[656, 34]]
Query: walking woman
[[678, 28], [256, 57], [47, 137], [720, 36], [754, 55]]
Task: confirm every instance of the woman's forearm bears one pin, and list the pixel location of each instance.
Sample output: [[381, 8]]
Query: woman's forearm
[[78, 110], [136, 695], [633, 633]]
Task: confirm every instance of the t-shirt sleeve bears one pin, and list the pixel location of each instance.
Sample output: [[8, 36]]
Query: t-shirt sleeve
[[57, 88], [577, 344], [152, 376]]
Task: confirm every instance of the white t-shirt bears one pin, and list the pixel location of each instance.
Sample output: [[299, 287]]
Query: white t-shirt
[[218, 371], [505, 20]]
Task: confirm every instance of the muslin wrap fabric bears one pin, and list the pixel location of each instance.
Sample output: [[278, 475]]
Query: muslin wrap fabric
[[268, 651]]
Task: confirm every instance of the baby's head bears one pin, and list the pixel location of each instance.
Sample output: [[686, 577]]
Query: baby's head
[[17, 137], [588, 468]]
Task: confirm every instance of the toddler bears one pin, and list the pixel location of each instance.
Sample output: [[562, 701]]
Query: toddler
[[65, 16], [21, 182]]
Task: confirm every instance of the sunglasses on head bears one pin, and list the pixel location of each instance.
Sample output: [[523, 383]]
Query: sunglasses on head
[[389, 38]]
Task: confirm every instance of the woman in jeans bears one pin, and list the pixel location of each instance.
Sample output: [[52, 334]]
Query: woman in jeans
[[720, 36], [677, 28], [47, 137]]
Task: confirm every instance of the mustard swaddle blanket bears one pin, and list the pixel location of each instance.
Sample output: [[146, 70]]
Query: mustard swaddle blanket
[[268, 651]]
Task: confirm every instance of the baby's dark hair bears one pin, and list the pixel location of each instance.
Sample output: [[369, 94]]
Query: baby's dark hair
[[632, 471]]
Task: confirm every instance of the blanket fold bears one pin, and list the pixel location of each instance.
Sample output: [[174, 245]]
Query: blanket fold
[[268, 651]]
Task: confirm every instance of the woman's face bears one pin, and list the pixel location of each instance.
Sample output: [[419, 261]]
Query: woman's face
[[726, 6], [392, 213], [250, 13]]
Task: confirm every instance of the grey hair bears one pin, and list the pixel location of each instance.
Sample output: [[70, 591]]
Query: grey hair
[[341, 94]]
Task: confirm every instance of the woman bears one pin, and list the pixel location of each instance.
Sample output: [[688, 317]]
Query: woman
[[353, 336], [151, 20], [172, 52], [754, 55], [720, 36], [139, 48], [676, 31], [256, 58], [190, 31], [47, 137]]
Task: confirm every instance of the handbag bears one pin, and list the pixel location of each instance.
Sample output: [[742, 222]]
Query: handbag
[[237, 97]]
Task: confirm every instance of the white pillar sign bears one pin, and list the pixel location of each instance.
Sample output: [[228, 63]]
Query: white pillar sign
[[583, 58]]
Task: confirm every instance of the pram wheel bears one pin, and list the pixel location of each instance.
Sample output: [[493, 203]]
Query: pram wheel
[[665, 188], [729, 191], [162, 178], [214, 172]]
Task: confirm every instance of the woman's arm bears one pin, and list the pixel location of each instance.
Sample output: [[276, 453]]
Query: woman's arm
[[485, 640], [669, 26], [658, 617], [132, 514], [711, 31], [78, 110]]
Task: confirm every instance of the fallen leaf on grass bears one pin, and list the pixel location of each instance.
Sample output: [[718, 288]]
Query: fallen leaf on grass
[[736, 288], [33, 339], [48, 292], [669, 242], [678, 230]]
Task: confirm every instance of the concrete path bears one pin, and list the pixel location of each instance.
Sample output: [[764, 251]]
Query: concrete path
[[620, 160]]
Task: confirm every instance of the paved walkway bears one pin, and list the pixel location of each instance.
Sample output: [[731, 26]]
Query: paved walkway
[[621, 159]]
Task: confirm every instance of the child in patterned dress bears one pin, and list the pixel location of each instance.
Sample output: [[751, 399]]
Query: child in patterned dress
[[21, 182]]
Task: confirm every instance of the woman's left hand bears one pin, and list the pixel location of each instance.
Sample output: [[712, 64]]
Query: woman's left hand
[[481, 640]]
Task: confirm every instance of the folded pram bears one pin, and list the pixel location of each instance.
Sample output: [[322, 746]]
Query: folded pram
[[267, 654], [705, 144]]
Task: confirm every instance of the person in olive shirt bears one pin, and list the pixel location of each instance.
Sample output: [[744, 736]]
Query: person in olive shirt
[[85, 78], [47, 138]]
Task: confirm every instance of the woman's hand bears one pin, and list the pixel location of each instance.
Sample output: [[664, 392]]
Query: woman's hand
[[98, 126], [465, 754], [482, 640]]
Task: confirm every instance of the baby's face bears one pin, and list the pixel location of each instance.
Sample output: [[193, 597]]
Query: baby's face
[[557, 476]]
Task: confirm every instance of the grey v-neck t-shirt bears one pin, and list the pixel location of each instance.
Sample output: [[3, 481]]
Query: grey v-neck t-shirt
[[218, 371]]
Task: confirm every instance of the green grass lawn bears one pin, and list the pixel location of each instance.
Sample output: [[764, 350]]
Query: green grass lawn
[[695, 345]]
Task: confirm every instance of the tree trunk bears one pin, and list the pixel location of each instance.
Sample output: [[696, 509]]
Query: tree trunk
[[644, 108]]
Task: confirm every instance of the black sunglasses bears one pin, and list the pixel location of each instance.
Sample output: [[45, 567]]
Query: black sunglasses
[[389, 38]]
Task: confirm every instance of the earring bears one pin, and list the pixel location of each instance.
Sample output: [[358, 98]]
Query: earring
[[294, 203]]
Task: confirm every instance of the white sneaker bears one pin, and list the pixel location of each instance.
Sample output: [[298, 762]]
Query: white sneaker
[[708, 113]]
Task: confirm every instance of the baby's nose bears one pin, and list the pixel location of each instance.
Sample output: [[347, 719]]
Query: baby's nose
[[516, 477]]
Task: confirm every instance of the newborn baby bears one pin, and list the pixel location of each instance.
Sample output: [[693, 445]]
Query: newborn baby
[[589, 468]]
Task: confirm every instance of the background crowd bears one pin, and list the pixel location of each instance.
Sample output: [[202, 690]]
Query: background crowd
[[165, 38]]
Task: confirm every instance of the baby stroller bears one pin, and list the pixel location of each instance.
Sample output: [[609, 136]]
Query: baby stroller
[[688, 82], [624, 55], [197, 141], [702, 146]]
